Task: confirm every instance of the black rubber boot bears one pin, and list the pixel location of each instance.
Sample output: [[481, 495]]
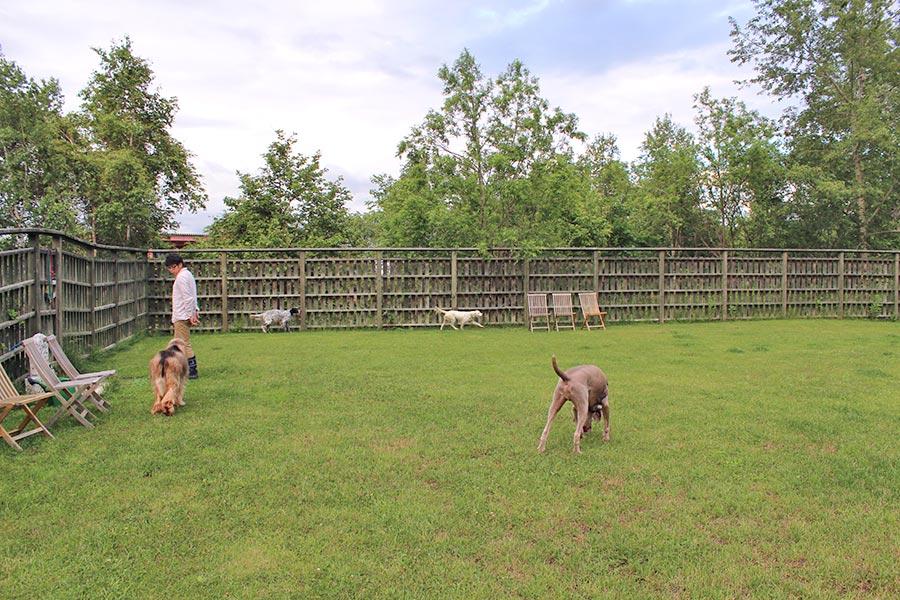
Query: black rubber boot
[[192, 368]]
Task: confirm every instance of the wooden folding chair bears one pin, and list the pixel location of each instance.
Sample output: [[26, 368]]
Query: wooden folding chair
[[72, 373], [71, 394], [30, 404], [537, 310], [591, 308], [562, 309]]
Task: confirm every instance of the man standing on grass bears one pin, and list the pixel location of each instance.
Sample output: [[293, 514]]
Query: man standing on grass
[[185, 310]]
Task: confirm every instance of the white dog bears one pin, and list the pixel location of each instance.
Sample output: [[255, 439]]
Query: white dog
[[452, 317], [275, 316]]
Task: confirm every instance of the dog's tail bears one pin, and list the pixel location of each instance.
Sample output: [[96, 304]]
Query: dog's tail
[[562, 375], [440, 310], [164, 358], [257, 317]]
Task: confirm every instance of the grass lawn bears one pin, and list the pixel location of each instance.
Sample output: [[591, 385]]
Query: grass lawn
[[748, 459]]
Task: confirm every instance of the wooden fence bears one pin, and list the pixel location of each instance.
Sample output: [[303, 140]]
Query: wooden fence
[[95, 296], [91, 296], [381, 288]]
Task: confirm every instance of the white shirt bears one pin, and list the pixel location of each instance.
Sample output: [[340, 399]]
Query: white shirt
[[184, 296]]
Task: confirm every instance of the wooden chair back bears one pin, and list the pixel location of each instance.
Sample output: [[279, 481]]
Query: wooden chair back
[[71, 403], [562, 310], [591, 308], [7, 389], [59, 355], [30, 404], [537, 311]]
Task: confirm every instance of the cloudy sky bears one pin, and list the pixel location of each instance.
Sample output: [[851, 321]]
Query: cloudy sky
[[351, 77]]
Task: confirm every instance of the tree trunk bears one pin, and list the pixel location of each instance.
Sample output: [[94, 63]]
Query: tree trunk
[[860, 200]]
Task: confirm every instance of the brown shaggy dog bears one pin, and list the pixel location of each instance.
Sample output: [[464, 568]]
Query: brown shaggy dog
[[168, 372]]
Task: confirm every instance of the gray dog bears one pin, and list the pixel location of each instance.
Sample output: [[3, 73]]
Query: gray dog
[[275, 316], [586, 387]]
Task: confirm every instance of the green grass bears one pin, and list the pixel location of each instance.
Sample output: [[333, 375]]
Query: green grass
[[751, 459]]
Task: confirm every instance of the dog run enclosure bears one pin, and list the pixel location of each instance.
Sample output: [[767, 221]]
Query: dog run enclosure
[[95, 296]]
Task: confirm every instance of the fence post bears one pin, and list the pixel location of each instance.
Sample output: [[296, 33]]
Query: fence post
[[841, 285], [897, 285], [302, 291], [223, 279], [379, 291], [35, 243], [92, 282], [526, 276], [596, 272], [116, 298], [58, 292], [784, 283], [662, 286], [453, 279], [724, 285], [148, 275]]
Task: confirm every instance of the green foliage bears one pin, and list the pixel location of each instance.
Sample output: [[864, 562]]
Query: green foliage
[[838, 61], [610, 181], [742, 178], [36, 186], [876, 307], [136, 176], [493, 167], [289, 203], [353, 464], [667, 206]]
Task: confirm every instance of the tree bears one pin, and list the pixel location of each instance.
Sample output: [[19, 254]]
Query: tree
[[667, 207], [611, 183], [486, 166], [741, 164], [838, 61], [137, 177], [37, 188], [289, 203]]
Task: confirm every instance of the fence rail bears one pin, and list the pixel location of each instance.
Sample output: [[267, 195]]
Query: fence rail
[[91, 296], [95, 296]]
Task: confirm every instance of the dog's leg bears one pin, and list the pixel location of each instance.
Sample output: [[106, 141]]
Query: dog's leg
[[555, 404], [579, 397], [605, 404], [477, 323], [444, 322]]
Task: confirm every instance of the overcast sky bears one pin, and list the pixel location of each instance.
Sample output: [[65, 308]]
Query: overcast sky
[[351, 78]]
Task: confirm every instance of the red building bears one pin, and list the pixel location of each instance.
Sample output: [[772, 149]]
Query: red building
[[180, 240]]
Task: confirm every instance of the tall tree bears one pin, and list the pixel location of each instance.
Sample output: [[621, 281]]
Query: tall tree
[[741, 163], [610, 181], [483, 164], [138, 176], [289, 203], [667, 208], [838, 61], [37, 187]]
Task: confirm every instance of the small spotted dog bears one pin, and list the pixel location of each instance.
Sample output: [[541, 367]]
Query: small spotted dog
[[276, 317]]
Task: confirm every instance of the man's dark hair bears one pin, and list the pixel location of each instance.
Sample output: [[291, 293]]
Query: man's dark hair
[[173, 259]]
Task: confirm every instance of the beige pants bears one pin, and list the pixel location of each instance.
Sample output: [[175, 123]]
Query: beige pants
[[183, 332]]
